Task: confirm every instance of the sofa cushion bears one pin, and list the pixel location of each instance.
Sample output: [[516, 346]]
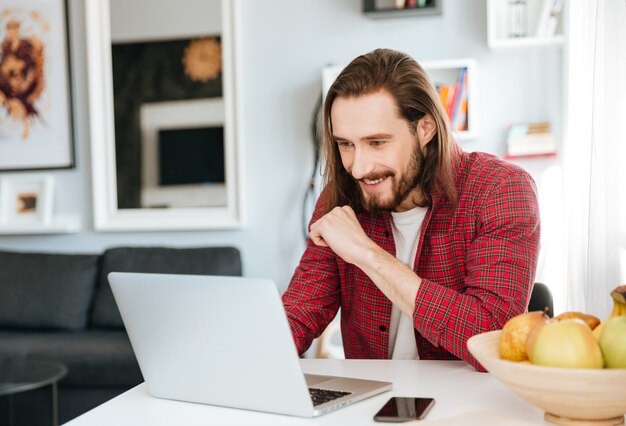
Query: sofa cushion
[[93, 358], [196, 261], [52, 291]]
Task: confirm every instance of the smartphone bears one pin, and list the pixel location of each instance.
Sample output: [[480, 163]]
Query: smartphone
[[403, 409]]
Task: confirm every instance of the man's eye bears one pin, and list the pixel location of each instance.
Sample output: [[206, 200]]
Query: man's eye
[[344, 144], [377, 143]]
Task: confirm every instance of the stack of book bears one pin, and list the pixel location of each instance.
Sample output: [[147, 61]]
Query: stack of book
[[454, 100], [530, 140], [549, 17]]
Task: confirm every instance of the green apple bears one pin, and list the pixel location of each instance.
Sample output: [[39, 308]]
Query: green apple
[[567, 344], [613, 342]]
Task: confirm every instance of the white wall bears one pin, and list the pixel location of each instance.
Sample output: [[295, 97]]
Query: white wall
[[285, 44], [190, 18]]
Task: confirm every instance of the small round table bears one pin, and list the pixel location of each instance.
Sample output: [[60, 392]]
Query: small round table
[[24, 374]]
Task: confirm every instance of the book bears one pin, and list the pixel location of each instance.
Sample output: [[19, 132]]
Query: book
[[533, 145], [530, 139], [449, 107], [454, 100], [459, 93], [549, 17], [530, 156], [443, 93], [461, 119], [555, 16]]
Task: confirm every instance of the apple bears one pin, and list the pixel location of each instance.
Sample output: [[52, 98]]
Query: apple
[[514, 333], [613, 342], [567, 343]]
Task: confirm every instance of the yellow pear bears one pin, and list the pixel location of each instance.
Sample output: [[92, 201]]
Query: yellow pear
[[514, 333]]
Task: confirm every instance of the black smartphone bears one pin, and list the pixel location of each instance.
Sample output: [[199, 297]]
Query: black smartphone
[[403, 409]]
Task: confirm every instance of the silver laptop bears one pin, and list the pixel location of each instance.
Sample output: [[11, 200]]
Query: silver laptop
[[224, 341]]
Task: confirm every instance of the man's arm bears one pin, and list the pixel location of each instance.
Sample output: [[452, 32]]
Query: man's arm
[[341, 231], [500, 265], [313, 297]]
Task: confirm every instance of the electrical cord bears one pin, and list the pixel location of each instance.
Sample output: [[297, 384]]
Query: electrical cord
[[308, 201]]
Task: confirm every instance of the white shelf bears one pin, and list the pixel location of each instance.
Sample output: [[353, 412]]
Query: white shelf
[[446, 71], [498, 22], [440, 71], [59, 225], [523, 42]]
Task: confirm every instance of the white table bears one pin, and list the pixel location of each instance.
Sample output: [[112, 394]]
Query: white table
[[463, 397]]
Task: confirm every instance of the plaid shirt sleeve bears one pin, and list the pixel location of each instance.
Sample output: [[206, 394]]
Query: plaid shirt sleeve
[[314, 295], [500, 265]]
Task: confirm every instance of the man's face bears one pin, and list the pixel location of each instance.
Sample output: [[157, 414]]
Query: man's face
[[378, 149]]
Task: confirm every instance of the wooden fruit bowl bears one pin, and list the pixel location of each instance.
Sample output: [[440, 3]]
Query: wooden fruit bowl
[[568, 396]]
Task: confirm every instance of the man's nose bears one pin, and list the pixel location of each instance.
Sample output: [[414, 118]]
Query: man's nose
[[362, 164]]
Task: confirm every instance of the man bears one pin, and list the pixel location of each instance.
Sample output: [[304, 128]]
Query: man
[[420, 244]]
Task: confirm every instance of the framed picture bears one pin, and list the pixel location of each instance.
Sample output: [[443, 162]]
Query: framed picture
[[26, 199], [165, 115], [35, 92]]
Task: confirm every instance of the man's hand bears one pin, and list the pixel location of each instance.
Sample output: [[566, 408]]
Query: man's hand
[[340, 230]]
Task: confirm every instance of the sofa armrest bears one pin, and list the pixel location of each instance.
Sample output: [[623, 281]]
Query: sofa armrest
[[46, 291]]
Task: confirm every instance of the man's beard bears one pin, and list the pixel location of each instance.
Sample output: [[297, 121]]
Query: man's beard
[[401, 189]]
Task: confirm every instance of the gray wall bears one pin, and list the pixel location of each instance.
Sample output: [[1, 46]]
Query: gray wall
[[285, 45]]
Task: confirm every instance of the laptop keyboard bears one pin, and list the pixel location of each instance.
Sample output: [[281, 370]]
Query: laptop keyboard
[[320, 396]]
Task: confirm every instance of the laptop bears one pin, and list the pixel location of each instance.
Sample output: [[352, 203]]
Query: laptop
[[224, 341]]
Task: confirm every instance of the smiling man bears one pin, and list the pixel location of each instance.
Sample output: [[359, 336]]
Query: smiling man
[[421, 244]]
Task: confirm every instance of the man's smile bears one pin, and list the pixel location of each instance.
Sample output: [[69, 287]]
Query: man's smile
[[374, 185], [373, 182]]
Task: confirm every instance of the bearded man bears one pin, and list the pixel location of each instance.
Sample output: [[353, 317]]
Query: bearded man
[[422, 245]]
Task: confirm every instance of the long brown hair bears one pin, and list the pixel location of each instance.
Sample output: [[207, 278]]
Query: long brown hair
[[402, 77]]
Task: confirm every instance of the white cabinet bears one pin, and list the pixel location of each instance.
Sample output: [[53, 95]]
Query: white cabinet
[[540, 21]]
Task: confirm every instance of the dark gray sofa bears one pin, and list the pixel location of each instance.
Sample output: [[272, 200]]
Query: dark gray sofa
[[60, 307]]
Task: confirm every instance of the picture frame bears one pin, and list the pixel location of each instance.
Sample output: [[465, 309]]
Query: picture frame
[[26, 200], [36, 124], [108, 25]]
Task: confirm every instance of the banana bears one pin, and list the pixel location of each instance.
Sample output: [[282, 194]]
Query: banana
[[619, 309], [591, 320]]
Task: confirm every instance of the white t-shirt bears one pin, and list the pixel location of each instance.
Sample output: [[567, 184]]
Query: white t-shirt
[[406, 228]]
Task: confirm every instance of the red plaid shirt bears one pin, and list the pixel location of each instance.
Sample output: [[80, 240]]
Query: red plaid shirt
[[477, 266]]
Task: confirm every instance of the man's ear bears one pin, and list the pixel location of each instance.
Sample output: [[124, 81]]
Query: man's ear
[[426, 129]]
